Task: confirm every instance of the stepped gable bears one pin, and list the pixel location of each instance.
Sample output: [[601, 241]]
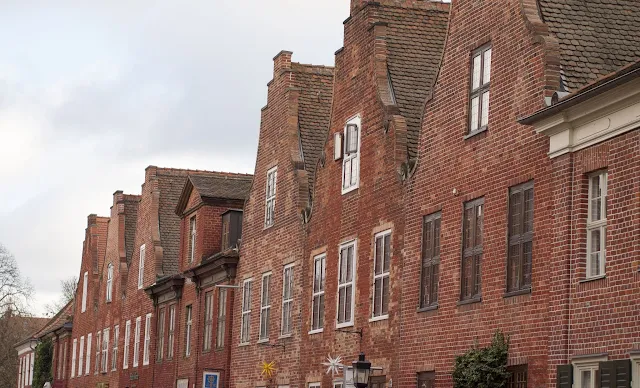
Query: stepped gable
[[596, 37], [314, 111], [131, 203], [415, 41]]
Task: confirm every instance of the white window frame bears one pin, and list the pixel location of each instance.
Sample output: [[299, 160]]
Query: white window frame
[[314, 385], [85, 280], [98, 351], [587, 364], [635, 370], [193, 222], [171, 332], [189, 325], [318, 292], [286, 323], [109, 289], [351, 283], [265, 309], [245, 326], [480, 89], [114, 348], [125, 347], [104, 361], [81, 357], [595, 225], [352, 160], [143, 252], [147, 340], [270, 197], [380, 276], [87, 361], [73, 358], [136, 342]]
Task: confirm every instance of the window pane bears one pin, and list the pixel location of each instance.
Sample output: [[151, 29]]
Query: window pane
[[468, 219], [348, 302], [377, 294], [515, 204], [479, 225], [528, 211], [596, 198], [478, 278], [379, 253], [477, 61], [513, 275], [321, 312], [485, 109], [586, 379], [475, 106], [387, 253], [427, 241], [385, 295], [527, 249], [350, 263], [435, 273], [436, 237], [426, 286], [341, 304], [486, 76]]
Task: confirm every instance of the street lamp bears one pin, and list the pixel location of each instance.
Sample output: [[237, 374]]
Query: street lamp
[[361, 371]]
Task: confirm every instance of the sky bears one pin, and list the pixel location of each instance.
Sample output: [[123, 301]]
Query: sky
[[91, 93]]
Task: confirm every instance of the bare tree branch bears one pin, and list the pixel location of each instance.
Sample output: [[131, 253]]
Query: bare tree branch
[[69, 287], [15, 291]]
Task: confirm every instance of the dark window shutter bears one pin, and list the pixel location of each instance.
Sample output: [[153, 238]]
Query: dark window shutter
[[615, 374], [564, 376]]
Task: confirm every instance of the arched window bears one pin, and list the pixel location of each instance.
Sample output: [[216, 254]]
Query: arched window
[[109, 281]]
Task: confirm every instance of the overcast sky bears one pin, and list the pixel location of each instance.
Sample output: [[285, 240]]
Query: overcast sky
[[92, 94]]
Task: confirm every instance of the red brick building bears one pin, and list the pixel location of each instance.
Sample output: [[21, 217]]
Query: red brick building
[[267, 308]]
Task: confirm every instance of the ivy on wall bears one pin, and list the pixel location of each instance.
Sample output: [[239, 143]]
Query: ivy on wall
[[483, 367]]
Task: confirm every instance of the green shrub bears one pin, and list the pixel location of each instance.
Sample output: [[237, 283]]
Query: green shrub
[[42, 364], [483, 367]]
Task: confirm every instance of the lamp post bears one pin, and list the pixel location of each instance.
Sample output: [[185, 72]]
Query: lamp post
[[361, 371]]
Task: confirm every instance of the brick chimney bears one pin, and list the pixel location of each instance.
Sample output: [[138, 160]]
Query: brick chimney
[[281, 61]]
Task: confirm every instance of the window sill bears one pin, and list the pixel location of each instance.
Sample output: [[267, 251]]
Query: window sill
[[343, 325], [285, 336], [263, 341], [244, 344], [316, 331], [477, 299], [593, 278], [267, 227], [380, 318], [476, 132], [517, 292], [428, 308], [350, 189]]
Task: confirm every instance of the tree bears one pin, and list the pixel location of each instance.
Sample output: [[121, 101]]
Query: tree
[[42, 366], [69, 287], [483, 367], [15, 291]]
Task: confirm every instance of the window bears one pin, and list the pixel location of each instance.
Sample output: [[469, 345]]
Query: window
[[314, 385], [381, 265], [597, 224], [520, 237], [160, 336], [430, 260], [127, 339], [147, 340], [81, 356], [105, 350], [270, 206], [73, 358], [85, 280], [61, 361], [377, 381], [141, 267], [472, 250], [346, 279], [585, 371], [136, 343], [635, 366], [192, 238], [479, 97], [208, 320], [222, 317], [109, 281], [351, 160], [426, 379], [517, 376], [98, 351], [187, 332], [87, 362], [172, 328], [337, 384], [114, 348], [265, 306], [317, 303], [64, 357], [245, 324], [287, 300]]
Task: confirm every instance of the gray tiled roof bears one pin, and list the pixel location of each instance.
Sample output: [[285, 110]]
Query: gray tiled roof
[[596, 36], [222, 185]]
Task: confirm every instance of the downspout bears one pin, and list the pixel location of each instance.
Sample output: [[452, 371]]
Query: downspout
[[571, 254]]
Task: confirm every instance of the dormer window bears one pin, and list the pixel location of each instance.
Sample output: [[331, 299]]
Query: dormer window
[[231, 229], [270, 201], [479, 96], [351, 159]]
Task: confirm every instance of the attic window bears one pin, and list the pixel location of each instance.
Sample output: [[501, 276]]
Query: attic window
[[351, 161], [479, 95]]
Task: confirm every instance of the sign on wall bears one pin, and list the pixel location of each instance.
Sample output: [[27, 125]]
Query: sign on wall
[[210, 380]]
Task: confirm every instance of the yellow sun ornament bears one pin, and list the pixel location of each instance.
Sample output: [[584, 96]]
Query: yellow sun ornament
[[268, 369]]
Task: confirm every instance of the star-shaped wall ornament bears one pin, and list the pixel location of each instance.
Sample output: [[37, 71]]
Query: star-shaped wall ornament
[[268, 369], [333, 365]]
